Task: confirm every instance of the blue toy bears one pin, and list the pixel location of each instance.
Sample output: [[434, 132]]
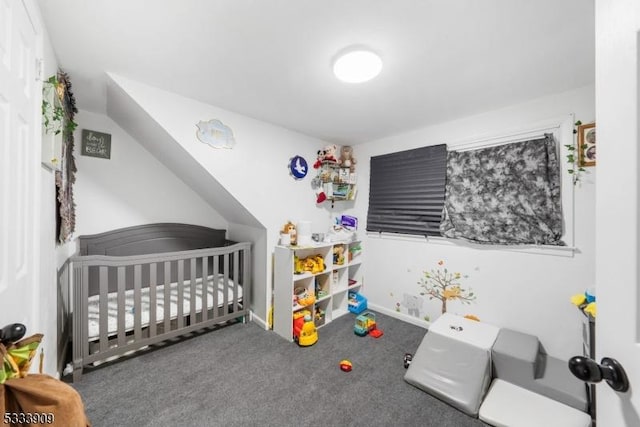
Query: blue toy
[[357, 302]]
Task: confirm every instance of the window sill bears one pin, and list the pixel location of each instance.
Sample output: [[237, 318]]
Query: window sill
[[563, 251]]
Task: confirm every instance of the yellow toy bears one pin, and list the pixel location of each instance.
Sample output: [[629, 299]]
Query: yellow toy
[[338, 255], [318, 266], [309, 264], [297, 265], [314, 264], [304, 329], [586, 302], [304, 298]]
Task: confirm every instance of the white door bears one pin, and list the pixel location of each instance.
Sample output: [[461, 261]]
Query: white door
[[617, 204], [20, 95]]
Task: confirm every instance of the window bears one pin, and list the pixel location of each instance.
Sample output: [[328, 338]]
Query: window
[[507, 194], [406, 193]]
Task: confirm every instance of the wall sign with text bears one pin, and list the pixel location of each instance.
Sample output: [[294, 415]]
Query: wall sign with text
[[96, 144]]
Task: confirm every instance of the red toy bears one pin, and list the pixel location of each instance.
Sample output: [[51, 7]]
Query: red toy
[[376, 333]]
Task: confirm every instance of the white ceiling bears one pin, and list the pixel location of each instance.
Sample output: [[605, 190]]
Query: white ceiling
[[271, 59]]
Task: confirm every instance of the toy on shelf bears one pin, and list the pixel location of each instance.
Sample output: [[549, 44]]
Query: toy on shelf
[[354, 251], [313, 264], [335, 178], [319, 316], [346, 158], [327, 154], [304, 329], [366, 324], [303, 297], [338, 254], [349, 222], [338, 233], [357, 302], [290, 229], [320, 293]]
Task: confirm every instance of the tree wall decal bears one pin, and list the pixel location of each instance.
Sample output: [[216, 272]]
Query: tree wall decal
[[444, 285]]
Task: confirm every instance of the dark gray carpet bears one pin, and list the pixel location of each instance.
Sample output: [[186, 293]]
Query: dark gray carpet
[[241, 375]]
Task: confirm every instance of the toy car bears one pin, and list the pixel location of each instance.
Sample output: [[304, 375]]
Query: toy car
[[366, 324], [304, 329]]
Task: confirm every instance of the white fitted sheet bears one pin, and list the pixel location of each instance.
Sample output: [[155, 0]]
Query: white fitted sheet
[[112, 304]]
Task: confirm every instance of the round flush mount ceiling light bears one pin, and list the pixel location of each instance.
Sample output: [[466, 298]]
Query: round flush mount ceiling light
[[357, 66]]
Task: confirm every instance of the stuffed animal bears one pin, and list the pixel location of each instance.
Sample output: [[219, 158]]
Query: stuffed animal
[[313, 264], [327, 154], [346, 158], [298, 265], [338, 255], [319, 264], [330, 153], [290, 229], [304, 298], [319, 159]]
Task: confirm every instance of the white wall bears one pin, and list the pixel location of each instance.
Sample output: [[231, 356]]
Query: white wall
[[519, 290], [255, 171], [525, 291], [130, 188], [261, 254]]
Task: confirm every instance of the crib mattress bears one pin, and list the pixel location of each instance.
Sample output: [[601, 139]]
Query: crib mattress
[[112, 303]]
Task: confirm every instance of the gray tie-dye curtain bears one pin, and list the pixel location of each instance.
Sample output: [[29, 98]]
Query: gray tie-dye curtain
[[509, 194]]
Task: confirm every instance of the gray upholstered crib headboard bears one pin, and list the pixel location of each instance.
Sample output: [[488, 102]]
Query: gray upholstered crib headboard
[[151, 239]]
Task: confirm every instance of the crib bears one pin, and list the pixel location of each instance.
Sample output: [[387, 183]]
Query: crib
[[137, 286]]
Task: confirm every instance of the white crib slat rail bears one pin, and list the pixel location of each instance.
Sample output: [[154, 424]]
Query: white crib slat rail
[[122, 333], [153, 304]]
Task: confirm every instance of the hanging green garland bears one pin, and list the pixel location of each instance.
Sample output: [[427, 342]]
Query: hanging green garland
[[572, 158], [58, 113], [58, 110]]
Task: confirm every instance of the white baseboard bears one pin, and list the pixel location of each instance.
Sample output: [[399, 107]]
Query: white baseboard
[[391, 313], [263, 324], [400, 316]]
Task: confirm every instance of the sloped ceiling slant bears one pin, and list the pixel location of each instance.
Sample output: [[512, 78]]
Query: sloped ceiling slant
[[125, 111]]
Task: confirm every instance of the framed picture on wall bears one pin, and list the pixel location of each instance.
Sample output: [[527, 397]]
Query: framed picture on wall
[[587, 145]]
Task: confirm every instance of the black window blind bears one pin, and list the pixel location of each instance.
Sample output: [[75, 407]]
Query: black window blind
[[406, 191]]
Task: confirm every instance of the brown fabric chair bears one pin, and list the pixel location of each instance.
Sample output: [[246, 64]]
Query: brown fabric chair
[[38, 394]]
